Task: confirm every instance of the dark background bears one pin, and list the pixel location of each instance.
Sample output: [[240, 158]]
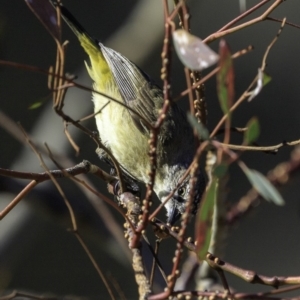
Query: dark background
[[37, 253]]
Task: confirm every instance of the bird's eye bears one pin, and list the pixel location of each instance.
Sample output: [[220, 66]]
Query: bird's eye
[[181, 191]]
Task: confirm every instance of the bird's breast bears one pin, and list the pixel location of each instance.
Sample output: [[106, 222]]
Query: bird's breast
[[118, 132]]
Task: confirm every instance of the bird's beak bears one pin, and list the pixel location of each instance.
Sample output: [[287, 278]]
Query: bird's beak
[[174, 215]]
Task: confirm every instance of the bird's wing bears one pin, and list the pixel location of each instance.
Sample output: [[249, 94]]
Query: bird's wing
[[138, 91]]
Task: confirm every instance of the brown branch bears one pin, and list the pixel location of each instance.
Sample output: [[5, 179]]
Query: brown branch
[[166, 230], [155, 262], [243, 15], [250, 276], [17, 294], [287, 23], [262, 17], [18, 198], [81, 168], [70, 209], [111, 181], [217, 295], [224, 283], [132, 204], [93, 261], [273, 148]]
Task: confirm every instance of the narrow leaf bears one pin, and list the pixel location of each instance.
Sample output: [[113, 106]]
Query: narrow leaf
[[263, 185], [204, 220], [36, 105], [220, 170], [193, 53], [225, 78], [202, 131], [252, 132]]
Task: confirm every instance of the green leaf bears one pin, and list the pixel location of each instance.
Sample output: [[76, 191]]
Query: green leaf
[[263, 185], [266, 79], [36, 105], [252, 131], [202, 131], [220, 170], [204, 220], [225, 78]]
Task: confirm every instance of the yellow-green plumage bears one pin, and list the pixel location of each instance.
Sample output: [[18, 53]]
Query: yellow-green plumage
[[99, 69], [113, 120], [126, 133]]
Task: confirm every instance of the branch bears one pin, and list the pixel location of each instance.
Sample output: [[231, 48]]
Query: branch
[[272, 149], [262, 17], [250, 276], [132, 204]]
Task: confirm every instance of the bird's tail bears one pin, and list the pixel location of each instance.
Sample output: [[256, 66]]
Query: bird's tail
[[99, 69]]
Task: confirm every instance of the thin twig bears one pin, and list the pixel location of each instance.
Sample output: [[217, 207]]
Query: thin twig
[[18, 198], [251, 276], [93, 261], [70, 209], [261, 148], [243, 15], [262, 17]]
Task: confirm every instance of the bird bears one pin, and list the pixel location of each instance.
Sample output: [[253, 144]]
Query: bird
[[124, 129]]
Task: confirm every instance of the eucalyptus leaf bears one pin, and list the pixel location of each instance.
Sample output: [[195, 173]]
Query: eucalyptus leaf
[[263, 186], [266, 79], [220, 170], [202, 131], [252, 131], [36, 105], [204, 220], [193, 53], [225, 78]]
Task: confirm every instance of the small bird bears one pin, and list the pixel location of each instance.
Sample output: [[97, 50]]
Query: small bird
[[126, 134]]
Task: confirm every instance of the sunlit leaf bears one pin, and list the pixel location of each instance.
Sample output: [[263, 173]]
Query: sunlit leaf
[[252, 132], [262, 80], [225, 78], [45, 12], [263, 185], [204, 220], [202, 131], [193, 53]]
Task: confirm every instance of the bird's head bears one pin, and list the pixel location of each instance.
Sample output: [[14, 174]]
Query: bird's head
[[176, 205]]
